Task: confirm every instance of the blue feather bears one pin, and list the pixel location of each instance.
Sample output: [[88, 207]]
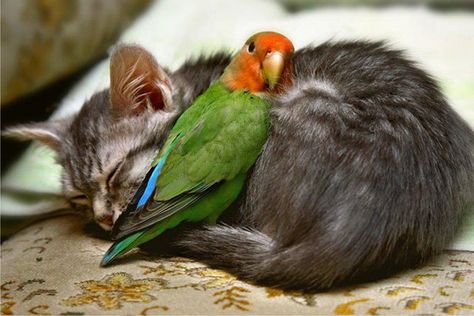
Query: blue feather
[[150, 186]]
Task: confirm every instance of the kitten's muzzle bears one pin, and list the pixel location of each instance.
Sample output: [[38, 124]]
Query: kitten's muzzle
[[106, 221]]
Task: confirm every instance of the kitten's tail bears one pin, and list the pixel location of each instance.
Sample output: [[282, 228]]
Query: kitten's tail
[[253, 256]]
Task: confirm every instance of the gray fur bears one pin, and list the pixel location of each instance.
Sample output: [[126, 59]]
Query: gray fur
[[367, 169]]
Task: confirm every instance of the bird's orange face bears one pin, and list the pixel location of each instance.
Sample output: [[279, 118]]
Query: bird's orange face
[[262, 64]]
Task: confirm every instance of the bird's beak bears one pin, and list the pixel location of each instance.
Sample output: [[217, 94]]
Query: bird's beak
[[272, 68]]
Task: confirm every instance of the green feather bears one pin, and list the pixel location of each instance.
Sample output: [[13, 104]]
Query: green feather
[[219, 199]]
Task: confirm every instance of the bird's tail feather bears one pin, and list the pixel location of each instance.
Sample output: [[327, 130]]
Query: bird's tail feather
[[121, 247], [126, 244]]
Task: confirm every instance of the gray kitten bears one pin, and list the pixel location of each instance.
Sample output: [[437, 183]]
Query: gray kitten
[[367, 169], [107, 148]]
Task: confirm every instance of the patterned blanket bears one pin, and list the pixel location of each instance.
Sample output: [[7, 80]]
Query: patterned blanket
[[53, 268]]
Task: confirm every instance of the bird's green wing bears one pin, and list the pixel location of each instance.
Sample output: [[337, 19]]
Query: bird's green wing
[[225, 141]]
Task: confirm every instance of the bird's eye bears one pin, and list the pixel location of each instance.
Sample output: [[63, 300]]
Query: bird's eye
[[251, 47]]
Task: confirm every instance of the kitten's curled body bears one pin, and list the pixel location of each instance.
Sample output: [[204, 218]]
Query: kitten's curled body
[[367, 169]]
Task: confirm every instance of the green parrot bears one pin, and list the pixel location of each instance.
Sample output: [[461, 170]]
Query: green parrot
[[203, 164]]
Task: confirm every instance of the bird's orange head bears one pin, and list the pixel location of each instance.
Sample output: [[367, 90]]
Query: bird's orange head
[[263, 64]]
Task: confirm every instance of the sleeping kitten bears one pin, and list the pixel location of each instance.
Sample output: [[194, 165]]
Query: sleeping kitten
[[107, 147], [367, 169]]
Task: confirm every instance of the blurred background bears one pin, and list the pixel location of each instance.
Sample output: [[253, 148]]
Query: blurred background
[[54, 55], [45, 46]]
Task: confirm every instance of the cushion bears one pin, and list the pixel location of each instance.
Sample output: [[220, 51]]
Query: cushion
[[43, 41]]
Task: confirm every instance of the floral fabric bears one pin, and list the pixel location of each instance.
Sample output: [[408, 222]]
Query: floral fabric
[[53, 268]]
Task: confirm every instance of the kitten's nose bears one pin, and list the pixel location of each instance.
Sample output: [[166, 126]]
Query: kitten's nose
[[104, 216], [106, 221]]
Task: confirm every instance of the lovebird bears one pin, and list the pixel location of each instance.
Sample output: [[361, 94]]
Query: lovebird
[[202, 166]]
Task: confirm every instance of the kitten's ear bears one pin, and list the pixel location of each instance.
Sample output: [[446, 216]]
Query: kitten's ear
[[50, 133], [137, 82]]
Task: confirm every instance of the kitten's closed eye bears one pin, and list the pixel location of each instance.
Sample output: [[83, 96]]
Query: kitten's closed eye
[[112, 176], [79, 198]]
